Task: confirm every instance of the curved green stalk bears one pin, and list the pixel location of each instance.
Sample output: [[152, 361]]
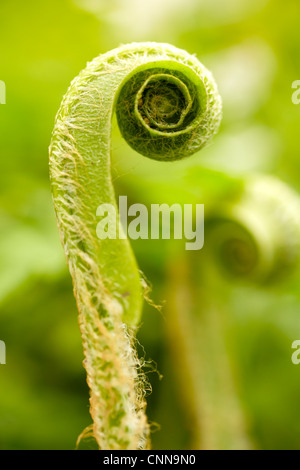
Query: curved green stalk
[[167, 107]]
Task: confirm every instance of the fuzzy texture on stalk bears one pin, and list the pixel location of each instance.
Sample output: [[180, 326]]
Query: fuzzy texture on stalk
[[167, 107]]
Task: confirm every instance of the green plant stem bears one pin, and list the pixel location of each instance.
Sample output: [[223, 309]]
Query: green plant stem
[[167, 107], [196, 330], [255, 238]]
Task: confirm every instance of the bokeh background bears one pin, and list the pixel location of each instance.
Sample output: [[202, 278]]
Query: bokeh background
[[252, 48]]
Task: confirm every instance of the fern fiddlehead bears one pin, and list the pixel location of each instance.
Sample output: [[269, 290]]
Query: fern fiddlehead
[[167, 107], [257, 238], [252, 238]]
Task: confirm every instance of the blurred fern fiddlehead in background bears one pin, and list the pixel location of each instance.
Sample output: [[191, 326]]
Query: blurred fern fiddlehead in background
[[252, 238], [257, 238], [167, 107]]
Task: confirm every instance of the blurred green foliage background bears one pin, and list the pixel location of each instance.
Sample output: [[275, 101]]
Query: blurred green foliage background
[[252, 48]]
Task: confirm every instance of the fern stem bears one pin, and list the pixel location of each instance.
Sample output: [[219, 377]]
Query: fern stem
[[196, 330], [167, 108]]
